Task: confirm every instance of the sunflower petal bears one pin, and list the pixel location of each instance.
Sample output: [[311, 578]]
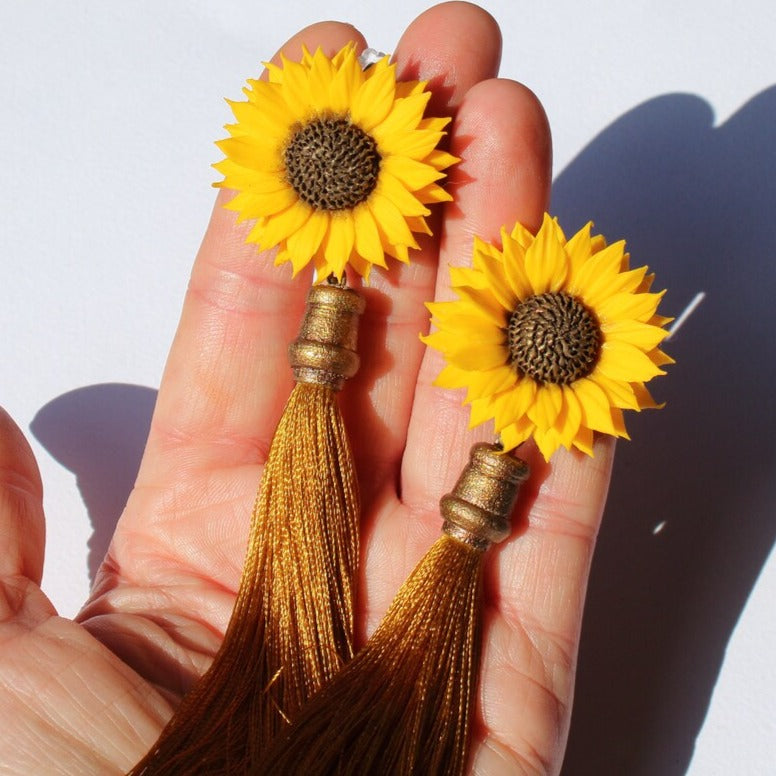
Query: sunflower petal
[[319, 81], [467, 276], [638, 307], [514, 267], [271, 231], [661, 359], [440, 159], [547, 440], [296, 87], [467, 324], [254, 204], [391, 188], [368, 244], [515, 403], [400, 252], [416, 143], [451, 376], [400, 124], [547, 405], [418, 225], [413, 174], [484, 302], [579, 250], [596, 409], [545, 260], [516, 433], [491, 382], [241, 179], [569, 418], [496, 280], [305, 241], [253, 153], [644, 398], [480, 411], [374, 100], [619, 393], [584, 440], [339, 243], [435, 124], [252, 120], [621, 361], [433, 193], [474, 355], [390, 221], [618, 421], [642, 335], [522, 236], [269, 101], [592, 281], [345, 84]]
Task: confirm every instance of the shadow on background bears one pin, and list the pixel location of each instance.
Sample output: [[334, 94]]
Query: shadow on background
[[98, 433], [690, 519]]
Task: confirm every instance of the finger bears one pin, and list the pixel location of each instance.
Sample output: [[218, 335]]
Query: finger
[[534, 593], [501, 134], [452, 46], [22, 526], [226, 376]]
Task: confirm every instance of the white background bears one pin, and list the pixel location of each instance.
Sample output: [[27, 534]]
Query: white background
[[664, 122]]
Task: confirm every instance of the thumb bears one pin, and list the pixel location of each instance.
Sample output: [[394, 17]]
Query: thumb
[[22, 527]]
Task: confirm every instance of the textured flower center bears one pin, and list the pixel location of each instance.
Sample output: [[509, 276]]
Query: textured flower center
[[553, 338], [332, 164]]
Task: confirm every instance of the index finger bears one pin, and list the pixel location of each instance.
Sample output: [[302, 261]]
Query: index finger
[[222, 390]]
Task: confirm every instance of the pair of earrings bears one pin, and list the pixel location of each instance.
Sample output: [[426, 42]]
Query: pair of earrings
[[551, 337]]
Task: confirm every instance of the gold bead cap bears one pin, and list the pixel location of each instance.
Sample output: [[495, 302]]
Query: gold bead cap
[[324, 353], [477, 512]]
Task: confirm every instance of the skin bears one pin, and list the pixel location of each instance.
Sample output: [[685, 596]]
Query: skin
[[90, 696]]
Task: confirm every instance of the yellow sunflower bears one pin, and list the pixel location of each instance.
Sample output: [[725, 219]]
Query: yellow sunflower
[[552, 338], [336, 164]]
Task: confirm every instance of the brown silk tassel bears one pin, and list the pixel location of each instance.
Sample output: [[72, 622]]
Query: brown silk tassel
[[404, 704], [292, 624]]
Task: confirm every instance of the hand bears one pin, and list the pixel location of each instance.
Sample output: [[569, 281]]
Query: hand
[[90, 696]]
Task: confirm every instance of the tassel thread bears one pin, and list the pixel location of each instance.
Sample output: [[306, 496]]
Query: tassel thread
[[404, 704], [291, 628]]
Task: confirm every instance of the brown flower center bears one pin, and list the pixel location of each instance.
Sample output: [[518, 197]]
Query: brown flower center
[[553, 338], [332, 164]]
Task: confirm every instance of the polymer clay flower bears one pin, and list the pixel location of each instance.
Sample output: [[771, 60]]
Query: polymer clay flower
[[335, 163], [552, 338]]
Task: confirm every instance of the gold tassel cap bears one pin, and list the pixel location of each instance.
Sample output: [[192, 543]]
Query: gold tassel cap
[[478, 510], [324, 353]]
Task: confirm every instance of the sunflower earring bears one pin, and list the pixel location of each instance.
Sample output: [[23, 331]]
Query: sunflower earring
[[553, 338], [336, 164]]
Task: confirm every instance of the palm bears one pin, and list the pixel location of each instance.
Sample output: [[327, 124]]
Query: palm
[[91, 696]]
